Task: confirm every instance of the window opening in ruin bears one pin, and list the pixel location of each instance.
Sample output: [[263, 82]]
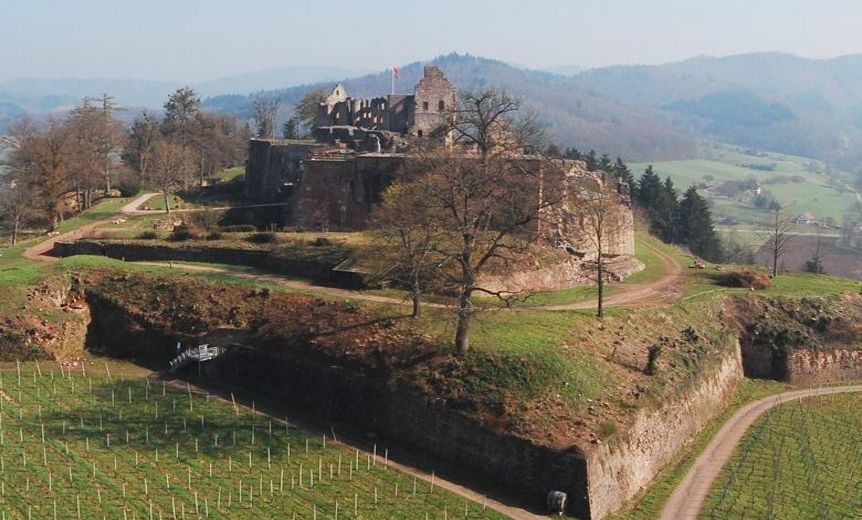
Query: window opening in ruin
[[419, 133], [424, 105], [441, 105]]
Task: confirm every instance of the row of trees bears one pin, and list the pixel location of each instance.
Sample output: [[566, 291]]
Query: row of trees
[[61, 165], [687, 221], [62, 157]]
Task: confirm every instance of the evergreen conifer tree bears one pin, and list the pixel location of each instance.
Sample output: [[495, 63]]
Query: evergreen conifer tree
[[664, 213], [592, 161], [696, 228], [649, 188]]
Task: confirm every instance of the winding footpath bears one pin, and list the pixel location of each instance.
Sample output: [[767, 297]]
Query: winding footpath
[[663, 291], [687, 500]]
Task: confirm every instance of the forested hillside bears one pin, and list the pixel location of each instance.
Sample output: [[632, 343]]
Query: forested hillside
[[777, 102], [572, 115]]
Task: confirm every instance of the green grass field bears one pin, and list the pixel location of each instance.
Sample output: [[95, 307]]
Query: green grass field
[[800, 460], [821, 194], [104, 440]]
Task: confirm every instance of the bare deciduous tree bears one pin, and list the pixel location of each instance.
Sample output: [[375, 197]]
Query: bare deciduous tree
[[409, 235], [168, 162], [40, 158], [143, 136], [15, 206], [596, 203], [779, 237], [263, 111], [486, 194]]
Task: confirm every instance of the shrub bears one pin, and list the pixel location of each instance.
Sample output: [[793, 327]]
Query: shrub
[[181, 233], [746, 278], [263, 238], [240, 228], [607, 428], [215, 235], [202, 221], [321, 242], [148, 235]]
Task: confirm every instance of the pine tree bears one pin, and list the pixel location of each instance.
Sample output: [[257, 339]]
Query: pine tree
[[592, 161], [291, 129], [574, 154], [606, 164], [696, 229], [664, 213], [649, 189]]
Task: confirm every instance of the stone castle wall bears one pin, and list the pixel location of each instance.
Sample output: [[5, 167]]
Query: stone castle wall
[[814, 366], [273, 165], [619, 470], [338, 194]]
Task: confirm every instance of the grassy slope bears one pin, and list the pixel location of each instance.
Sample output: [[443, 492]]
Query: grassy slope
[[561, 358], [121, 443], [816, 194], [800, 460]]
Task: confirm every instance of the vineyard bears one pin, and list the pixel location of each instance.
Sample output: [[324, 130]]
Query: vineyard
[[800, 460], [106, 441]]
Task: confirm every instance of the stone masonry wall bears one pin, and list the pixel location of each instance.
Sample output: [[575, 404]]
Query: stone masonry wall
[[569, 273], [271, 164], [810, 366], [619, 470]]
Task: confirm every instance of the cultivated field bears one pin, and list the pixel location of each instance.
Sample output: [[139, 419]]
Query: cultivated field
[[800, 460], [801, 185], [837, 261], [104, 441]]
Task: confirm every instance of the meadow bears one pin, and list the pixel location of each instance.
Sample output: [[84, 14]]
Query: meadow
[[106, 440], [801, 185]]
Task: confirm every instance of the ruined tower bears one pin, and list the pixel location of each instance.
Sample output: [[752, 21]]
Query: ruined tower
[[434, 100]]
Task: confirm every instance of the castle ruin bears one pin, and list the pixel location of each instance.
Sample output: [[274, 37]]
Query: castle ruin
[[426, 113], [360, 145]]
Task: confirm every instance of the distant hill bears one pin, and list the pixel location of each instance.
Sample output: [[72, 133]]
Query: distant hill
[[764, 101], [565, 70], [49, 95], [772, 101], [572, 115]]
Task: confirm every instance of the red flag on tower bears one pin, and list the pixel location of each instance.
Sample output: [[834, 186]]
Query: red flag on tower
[[395, 74]]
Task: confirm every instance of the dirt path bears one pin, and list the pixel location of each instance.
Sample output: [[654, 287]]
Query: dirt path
[[514, 512], [663, 291], [39, 251], [687, 500]]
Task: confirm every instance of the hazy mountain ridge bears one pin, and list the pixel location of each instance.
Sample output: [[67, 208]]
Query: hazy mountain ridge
[[823, 96], [48, 95], [771, 101], [571, 115]]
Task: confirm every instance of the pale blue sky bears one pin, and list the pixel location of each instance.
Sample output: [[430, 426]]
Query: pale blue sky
[[190, 40]]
